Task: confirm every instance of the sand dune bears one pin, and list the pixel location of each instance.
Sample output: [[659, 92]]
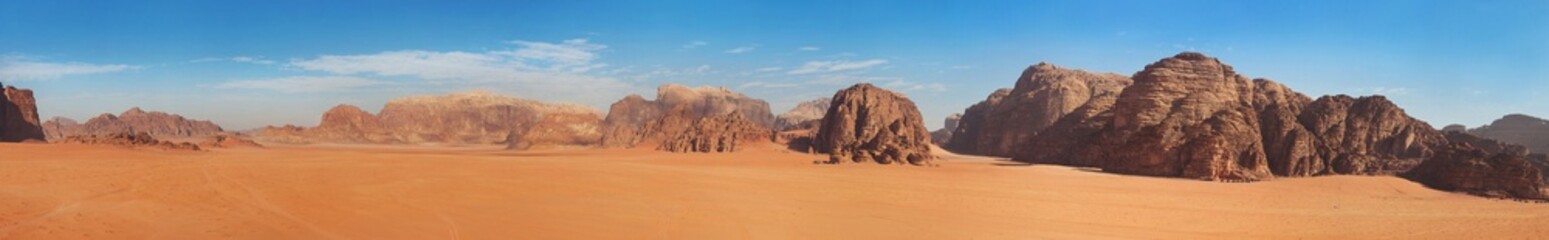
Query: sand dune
[[54, 191]]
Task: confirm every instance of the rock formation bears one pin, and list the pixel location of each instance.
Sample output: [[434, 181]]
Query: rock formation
[[19, 115], [1524, 130], [941, 136], [228, 141], [460, 118], [1192, 116], [130, 140], [634, 120], [1042, 95], [722, 133], [157, 124], [870, 124], [802, 113]]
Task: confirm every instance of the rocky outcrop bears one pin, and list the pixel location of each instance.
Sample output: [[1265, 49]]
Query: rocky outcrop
[[158, 124], [1192, 116], [19, 115], [1454, 128], [129, 140], [634, 120], [460, 118], [803, 112], [870, 124], [1520, 129], [228, 141], [722, 133], [941, 136], [1043, 94], [1462, 168]]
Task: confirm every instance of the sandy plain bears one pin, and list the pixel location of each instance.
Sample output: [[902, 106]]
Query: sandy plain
[[64, 191]]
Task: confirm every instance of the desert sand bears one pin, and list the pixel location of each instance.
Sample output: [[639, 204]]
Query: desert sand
[[66, 191]]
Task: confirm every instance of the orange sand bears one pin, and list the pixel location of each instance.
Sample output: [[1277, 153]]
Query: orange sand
[[344, 192]]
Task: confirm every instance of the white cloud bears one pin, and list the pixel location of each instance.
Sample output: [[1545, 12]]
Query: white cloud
[[901, 85], [297, 84], [695, 44], [892, 83], [835, 66], [18, 68], [769, 69], [740, 50], [660, 72], [238, 59], [1390, 91], [808, 48]]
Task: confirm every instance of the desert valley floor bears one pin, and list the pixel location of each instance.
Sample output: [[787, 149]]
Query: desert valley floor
[[67, 191]]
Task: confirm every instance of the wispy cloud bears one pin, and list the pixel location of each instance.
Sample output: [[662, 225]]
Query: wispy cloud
[[1390, 91], [893, 83], [740, 50], [808, 48], [19, 68], [759, 84], [836, 66], [297, 84], [695, 44], [769, 69], [237, 59]]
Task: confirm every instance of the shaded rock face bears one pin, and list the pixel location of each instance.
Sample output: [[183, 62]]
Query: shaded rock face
[[1454, 128], [722, 133], [157, 124], [1463, 168], [130, 140], [19, 115], [460, 118], [870, 124], [941, 136], [803, 112], [1524, 130], [1043, 94], [634, 120]]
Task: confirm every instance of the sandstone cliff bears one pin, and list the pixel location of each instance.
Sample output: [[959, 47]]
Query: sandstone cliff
[[634, 120], [870, 124], [940, 137], [1043, 94], [157, 124], [19, 115], [803, 112], [722, 133], [460, 118], [1192, 116]]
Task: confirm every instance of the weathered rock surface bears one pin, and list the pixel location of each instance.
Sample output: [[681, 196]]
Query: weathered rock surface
[[940, 137], [722, 133], [803, 112], [1191, 116], [130, 140], [460, 118], [1460, 167], [634, 120], [1524, 130], [1043, 94], [19, 115], [158, 124], [870, 124]]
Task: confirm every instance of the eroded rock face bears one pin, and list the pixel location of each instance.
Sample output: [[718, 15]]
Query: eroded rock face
[[941, 136], [634, 120], [1191, 116], [460, 118], [870, 124], [228, 141], [130, 140], [723, 133], [157, 124], [1043, 94], [19, 116], [1524, 130], [803, 112], [1463, 168]]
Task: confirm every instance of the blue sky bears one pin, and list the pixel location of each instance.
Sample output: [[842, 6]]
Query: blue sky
[[254, 63]]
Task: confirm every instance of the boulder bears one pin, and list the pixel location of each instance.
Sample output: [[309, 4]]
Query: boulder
[[870, 124]]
